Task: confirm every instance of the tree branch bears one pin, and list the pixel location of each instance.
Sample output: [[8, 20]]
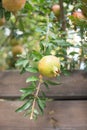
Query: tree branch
[[35, 97], [62, 16]]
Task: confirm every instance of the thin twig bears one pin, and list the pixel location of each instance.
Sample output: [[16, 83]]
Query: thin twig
[[34, 102]]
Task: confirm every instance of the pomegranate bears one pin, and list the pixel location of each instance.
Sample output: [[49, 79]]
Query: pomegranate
[[13, 5], [49, 66], [56, 9], [78, 15], [18, 49]]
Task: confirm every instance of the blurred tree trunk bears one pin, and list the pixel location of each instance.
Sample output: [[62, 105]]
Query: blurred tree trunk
[[62, 15]]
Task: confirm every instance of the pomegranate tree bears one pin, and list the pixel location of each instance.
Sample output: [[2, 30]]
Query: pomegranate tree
[[45, 33]]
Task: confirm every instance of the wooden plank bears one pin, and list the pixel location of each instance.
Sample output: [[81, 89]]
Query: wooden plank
[[11, 82], [60, 115], [73, 86], [27, 128], [11, 128]]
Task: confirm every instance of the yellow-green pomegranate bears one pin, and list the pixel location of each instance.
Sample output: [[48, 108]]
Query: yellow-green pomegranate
[[13, 5], [49, 66], [16, 50]]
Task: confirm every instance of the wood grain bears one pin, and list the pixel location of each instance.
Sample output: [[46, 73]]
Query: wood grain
[[60, 115], [27, 128], [73, 86]]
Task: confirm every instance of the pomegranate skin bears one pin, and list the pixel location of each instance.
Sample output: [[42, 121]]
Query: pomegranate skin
[[49, 66], [56, 10], [18, 49], [78, 15], [13, 5]]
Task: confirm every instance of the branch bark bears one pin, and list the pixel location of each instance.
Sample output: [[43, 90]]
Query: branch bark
[[35, 97], [62, 16]]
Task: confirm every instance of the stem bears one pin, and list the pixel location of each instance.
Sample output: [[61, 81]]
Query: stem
[[35, 97]]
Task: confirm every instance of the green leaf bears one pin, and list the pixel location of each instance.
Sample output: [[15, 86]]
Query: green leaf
[[22, 62], [32, 70], [73, 53], [7, 15], [21, 25], [41, 104], [37, 55], [25, 106], [41, 46], [52, 82], [43, 94], [25, 95], [30, 88], [28, 112], [28, 6], [36, 112], [46, 85], [31, 79]]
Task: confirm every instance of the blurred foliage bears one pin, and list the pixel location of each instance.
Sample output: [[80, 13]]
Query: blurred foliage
[[38, 30]]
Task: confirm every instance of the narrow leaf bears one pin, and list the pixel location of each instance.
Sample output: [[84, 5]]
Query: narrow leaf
[[25, 106], [36, 112], [46, 85], [22, 62], [25, 90], [31, 79], [32, 70], [28, 112], [52, 82], [26, 94], [41, 104]]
